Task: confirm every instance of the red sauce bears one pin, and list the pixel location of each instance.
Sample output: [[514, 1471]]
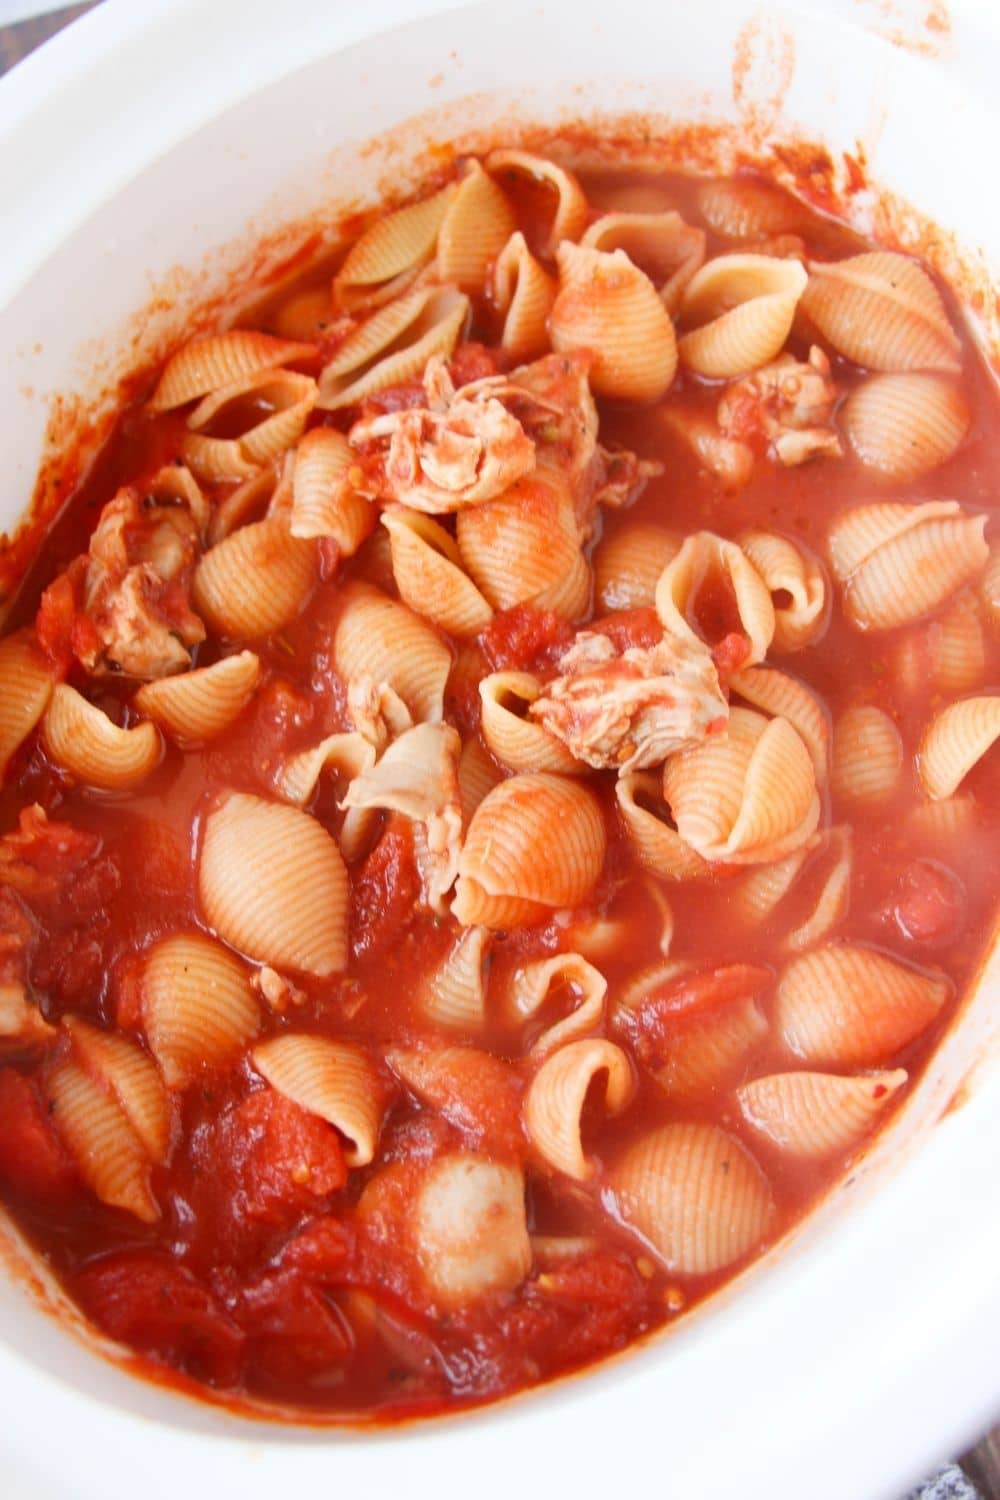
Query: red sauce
[[275, 1271]]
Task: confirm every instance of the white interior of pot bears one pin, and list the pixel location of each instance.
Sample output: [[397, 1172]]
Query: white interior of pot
[[845, 1333]]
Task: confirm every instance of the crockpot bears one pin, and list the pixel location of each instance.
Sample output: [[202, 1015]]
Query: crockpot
[[146, 152]]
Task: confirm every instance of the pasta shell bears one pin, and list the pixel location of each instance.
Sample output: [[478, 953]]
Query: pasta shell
[[791, 574], [867, 755], [523, 543], [705, 557], [833, 899], [198, 1008], [662, 245], [554, 1102], [956, 738], [571, 596], [25, 690], [739, 309], [250, 501], [334, 1080], [454, 993], [107, 1151], [695, 1194], [608, 306], [272, 883], [288, 399], [904, 425], [946, 823], [384, 260], [222, 359], [427, 566], [477, 776], [199, 705], [255, 582], [846, 1005], [813, 1115], [898, 563], [627, 566], [731, 462], [881, 310], [92, 748], [989, 587], [786, 697], [701, 1055], [658, 845], [123, 1069], [742, 209], [378, 638], [511, 869], [176, 485], [536, 983], [469, 1228], [570, 211], [523, 294], [478, 223], [323, 501], [947, 655], [747, 799], [515, 739], [393, 345], [765, 887], [348, 755]]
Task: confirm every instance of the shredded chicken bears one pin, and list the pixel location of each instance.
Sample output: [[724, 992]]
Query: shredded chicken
[[623, 476], [458, 450], [135, 590], [629, 710], [278, 992], [791, 403], [22, 1025], [418, 777]]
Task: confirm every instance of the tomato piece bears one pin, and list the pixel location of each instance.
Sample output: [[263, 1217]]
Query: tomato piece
[[928, 903], [282, 1157], [630, 627], [323, 1250], [474, 361], [33, 1160], [383, 891], [651, 1023], [480, 1096], [292, 1328], [730, 654], [518, 637], [599, 1280], [160, 1309]]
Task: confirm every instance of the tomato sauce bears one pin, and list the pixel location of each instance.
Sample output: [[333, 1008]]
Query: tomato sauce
[[274, 1272]]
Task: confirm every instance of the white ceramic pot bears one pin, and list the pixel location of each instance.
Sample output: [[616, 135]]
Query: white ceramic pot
[[174, 134]]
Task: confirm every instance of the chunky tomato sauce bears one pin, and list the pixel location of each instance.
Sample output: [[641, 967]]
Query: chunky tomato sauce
[[260, 1277]]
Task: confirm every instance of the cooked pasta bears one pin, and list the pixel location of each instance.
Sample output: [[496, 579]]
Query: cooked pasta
[[738, 310], [883, 311], [609, 307], [204, 703], [897, 563], [498, 796], [904, 425]]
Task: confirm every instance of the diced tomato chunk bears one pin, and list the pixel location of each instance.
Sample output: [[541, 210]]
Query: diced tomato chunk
[[649, 1024], [292, 1328], [323, 1250], [730, 654], [928, 904], [521, 636], [626, 628], [283, 1158], [384, 890], [145, 1300], [33, 1160]]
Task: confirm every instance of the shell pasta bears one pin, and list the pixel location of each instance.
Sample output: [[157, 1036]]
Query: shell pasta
[[499, 782]]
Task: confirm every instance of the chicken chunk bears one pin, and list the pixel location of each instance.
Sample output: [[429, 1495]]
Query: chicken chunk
[[631, 709], [124, 606], [791, 404], [458, 450]]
